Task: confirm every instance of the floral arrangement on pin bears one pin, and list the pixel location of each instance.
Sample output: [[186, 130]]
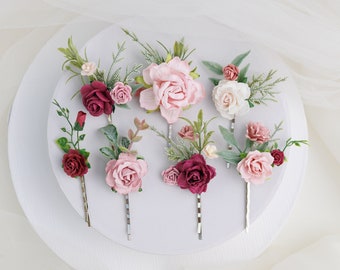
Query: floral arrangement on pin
[[125, 168], [234, 94], [188, 150], [168, 84], [260, 155], [101, 92], [75, 160]]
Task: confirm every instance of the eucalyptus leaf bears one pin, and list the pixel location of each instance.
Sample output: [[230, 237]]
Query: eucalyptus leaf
[[214, 81], [110, 132], [108, 152], [125, 142], [229, 137], [230, 156], [242, 75], [238, 59], [214, 67]]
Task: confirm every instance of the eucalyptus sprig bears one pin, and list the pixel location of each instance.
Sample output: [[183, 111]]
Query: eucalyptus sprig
[[74, 62], [121, 144]]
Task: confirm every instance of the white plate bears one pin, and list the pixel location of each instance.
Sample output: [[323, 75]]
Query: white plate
[[58, 223]]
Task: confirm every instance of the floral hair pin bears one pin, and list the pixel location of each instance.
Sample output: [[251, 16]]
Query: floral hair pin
[[101, 92], [75, 160], [235, 93], [125, 169], [191, 170], [259, 156], [168, 83]]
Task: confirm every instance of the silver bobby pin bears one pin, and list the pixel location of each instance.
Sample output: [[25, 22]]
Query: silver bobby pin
[[128, 220], [199, 217], [232, 128]]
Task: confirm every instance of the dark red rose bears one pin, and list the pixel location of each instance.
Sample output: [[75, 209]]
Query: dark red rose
[[80, 121], [96, 98], [279, 157], [74, 163], [194, 174]]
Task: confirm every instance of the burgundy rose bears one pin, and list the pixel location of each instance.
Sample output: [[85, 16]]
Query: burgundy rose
[[96, 98], [194, 174], [231, 72], [74, 163], [279, 157], [187, 132], [80, 121]]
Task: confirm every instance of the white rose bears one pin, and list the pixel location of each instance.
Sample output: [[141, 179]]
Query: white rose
[[210, 151], [88, 69], [230, 98]]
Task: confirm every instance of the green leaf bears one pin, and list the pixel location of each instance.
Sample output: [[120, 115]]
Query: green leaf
[[214, 81], [62, 141], [125, 142], [81, 137], [230, 156], [110, 132], [84, 153], [124, 106], [242, 75], [140, 80], [249, 144], [135, 87], [59, 113], [63, 129], [229, 137], [214, 67], [238, 59], [108, 152]]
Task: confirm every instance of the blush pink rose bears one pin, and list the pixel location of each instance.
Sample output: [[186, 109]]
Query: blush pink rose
[[256, 167], [121, 93], [170, 176], [172, 88], [279, 157], [231, 72], [187, 132], [257, 132], [96, 98], [125, 174], [195, 174]]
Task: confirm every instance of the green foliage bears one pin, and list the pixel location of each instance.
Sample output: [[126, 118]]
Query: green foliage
[[181, 148], [214, 67], [120, 144], [261, 88], [239, 59], [152, 55], [75, 137]]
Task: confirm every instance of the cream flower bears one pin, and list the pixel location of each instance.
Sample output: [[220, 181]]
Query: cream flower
[[88, 69], [230, 98], [210, 151]]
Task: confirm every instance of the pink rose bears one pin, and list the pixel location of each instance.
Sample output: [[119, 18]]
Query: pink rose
[[96, 98], [74, 163], [187, 132], [256, 167], [121, 93], [256, 132], [194, 174], [125, 174], [231, 72], [172, 89], [170, 176], [279, 157]]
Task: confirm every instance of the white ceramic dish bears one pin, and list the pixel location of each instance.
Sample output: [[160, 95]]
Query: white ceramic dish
[[56, 221]]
